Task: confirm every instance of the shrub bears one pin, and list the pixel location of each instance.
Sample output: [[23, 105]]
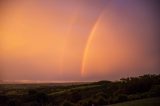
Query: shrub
[[67, 103], [101, 101], [87, 102], [3, 99], [41, 97], [154, 91], [122, 98], [75, 96], [38, 97], [118, 98], [13, 102], [134, 97]]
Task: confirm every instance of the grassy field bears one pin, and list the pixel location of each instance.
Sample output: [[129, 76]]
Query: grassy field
[[142, 102], [126, 92]]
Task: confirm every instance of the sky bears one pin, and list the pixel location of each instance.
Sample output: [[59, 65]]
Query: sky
[[78, 40]]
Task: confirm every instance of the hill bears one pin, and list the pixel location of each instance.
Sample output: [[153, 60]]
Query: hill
[[143, 102], [83, 94]]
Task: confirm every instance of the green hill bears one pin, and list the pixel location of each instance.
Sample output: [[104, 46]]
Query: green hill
[[85, 94], [142, 102]]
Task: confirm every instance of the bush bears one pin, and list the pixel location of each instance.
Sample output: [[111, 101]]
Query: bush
[[41, 97], [75, 96], [155, 91], [118, 98], [37, 97], [14, 102], [86, 102], [122, 98], [134, 97], [67, 103], [101, 101], [3, 99]]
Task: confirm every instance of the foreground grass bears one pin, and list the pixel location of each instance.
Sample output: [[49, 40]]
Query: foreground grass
[[142, 102], [75, 89]]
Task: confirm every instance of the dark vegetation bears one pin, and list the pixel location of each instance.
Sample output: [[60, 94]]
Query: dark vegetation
[[97, 93], [141, 102]]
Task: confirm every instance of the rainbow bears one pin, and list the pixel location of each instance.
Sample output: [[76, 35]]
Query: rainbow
[[89, 42], [72, 21]]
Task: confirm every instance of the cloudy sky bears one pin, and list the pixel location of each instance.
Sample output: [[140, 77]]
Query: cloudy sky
[[78, 40]]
